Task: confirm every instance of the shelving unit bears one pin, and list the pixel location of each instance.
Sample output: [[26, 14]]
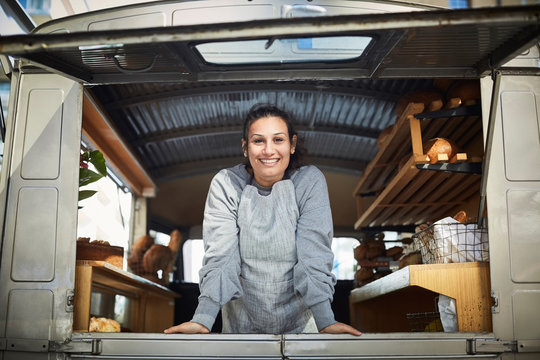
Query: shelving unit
[[152, 304], [396, 190], [382, 306]]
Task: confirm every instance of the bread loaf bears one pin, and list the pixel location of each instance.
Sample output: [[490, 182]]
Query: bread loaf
[[461, 216], [157, 258], [436, 146], [363, 274], [410, 259], [102, 324], [394, 252], [466, 90]]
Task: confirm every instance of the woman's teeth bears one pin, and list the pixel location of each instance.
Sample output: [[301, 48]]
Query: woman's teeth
[[269, 161]]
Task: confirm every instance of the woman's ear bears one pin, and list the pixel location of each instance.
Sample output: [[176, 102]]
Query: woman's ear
[[244, 147], [293, 144]]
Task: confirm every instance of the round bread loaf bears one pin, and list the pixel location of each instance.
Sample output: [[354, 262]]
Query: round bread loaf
[[466, 90], [436, 146]]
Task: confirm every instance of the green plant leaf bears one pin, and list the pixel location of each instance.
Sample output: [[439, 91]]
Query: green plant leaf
[[97, 159], [85, 194], [87, 176]]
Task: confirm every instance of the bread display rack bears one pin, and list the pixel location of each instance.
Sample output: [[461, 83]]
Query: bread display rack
[[398, 187]]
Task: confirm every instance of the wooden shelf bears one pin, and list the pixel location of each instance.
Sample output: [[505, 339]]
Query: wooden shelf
[[381, 306], [153, 309], [393, 191]]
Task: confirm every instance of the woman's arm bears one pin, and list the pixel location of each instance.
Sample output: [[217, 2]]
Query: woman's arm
[[313, 273], [219, 280]]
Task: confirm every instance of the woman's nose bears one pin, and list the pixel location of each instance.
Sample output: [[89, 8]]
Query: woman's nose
[[268, 148]]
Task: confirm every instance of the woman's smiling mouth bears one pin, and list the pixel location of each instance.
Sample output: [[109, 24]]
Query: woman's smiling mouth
[[269, 161]]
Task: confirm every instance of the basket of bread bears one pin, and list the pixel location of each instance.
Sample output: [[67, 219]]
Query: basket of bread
[[452, 240]]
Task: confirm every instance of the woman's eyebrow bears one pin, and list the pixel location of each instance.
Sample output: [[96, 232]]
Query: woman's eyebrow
[[278, 133]]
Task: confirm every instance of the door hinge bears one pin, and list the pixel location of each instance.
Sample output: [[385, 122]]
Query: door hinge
[[477, 346], [83, 346], [70, 300]]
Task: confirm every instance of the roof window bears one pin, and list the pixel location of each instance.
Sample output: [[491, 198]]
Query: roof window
[[312, 49]]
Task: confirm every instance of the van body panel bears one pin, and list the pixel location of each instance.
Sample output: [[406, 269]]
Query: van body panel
[[167, 13], [513, 206], [38, 245], [144, 55]]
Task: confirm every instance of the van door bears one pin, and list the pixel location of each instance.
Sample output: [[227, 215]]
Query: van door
[[401, 45]]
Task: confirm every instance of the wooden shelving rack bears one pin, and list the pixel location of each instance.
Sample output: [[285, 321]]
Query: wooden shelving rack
[[394, 191]]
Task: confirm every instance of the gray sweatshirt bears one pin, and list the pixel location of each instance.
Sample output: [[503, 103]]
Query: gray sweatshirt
[[313, 279]]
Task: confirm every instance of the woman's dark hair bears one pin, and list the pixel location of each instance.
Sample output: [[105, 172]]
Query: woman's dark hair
[[267, 110]]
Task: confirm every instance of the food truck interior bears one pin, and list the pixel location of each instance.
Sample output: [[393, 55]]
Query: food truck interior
[[391, 100]]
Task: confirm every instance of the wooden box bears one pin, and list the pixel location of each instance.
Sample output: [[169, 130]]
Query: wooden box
[[113, 255]]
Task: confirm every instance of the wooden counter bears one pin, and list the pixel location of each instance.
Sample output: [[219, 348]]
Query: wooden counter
[[153, 309], [382, 306]]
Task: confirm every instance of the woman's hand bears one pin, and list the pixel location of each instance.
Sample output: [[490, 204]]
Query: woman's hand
[[340, 328], [189, 327]]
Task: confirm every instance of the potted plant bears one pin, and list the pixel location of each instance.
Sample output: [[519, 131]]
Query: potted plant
[[87, 176]]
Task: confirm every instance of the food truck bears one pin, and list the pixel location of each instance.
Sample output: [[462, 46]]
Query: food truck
[[161, 90]]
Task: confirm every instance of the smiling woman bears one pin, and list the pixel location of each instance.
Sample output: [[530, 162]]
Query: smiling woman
[[269, 143], [267, 232]]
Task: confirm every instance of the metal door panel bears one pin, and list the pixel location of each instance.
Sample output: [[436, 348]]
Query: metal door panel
[[381, 346], [38, 243], [513, 212], [40, 204], [521, 135], [179, 346]]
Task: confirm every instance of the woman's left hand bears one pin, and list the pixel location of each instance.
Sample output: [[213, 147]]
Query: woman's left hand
[[340, 328]]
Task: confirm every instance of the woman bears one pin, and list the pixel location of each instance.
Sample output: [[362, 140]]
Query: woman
[[267, 231]]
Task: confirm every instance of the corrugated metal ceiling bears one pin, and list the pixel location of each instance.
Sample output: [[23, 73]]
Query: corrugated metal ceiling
[[199, 126]]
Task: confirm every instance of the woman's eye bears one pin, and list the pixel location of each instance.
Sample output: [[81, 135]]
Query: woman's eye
[[257, 141], [278, 140]]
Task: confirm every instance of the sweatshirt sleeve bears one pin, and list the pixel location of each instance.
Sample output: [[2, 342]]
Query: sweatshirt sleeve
[[219, 275], [313, 276]]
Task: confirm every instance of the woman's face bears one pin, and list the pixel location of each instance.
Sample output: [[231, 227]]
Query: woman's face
[[269, 149]]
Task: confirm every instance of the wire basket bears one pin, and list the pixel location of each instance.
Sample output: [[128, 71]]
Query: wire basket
[[447, 241]]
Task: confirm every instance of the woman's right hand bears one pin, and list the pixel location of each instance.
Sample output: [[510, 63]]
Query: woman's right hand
[[189, 327]]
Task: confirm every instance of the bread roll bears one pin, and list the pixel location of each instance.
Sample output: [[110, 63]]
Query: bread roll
[[360, 252], [394, 252], [461, 216], [144, 242], [135, 260], [363, 274], [411, 259], [102, 324], [157, 258], [375, 249], [466, 90], [436, 146]]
